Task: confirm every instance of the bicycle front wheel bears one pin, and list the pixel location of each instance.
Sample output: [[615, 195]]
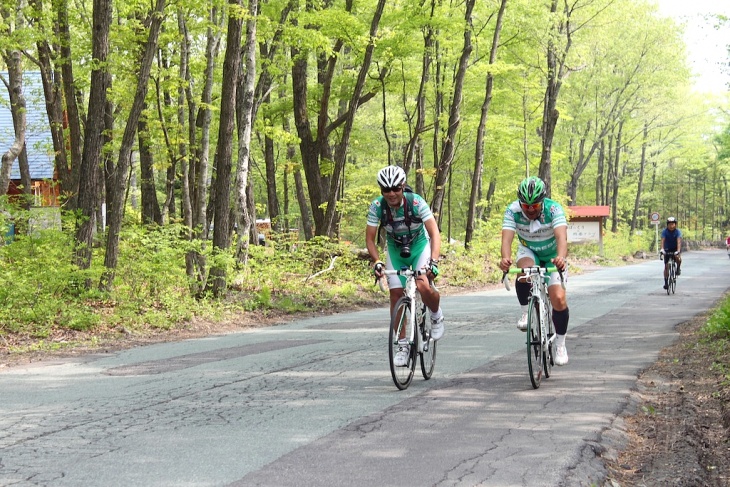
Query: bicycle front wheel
[[534, 343], [672, 278], [548, 357], [399, 326], [428, 356]]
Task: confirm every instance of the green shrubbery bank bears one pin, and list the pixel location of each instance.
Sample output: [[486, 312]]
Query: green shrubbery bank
[[44, 294]]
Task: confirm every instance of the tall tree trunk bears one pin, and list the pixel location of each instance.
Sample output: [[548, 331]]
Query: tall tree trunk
[[555, 74], [186, 118], [25, 179], [14, 84], [125, 150], [415, 143], [300, 193], [200, 119], [600, 200], [449, 143], [307, 226], [271, 193], [88, 200], [308, 145], [53, 96], [341, 151], [71, 178], [315, 148], [221, 188], [151, 212], [107, 162], [609, 170], [615, 180], [581, 163], [476, 180], [640, 184], [244, 116]]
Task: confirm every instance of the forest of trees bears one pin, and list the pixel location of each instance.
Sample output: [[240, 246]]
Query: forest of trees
[[220, 113]]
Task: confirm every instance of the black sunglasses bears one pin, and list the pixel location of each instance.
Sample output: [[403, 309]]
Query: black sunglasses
[[394, 189]]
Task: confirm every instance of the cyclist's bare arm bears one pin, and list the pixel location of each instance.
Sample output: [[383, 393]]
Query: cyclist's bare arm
[[435, 236], [506, 253], [561, 237], [371, 234]]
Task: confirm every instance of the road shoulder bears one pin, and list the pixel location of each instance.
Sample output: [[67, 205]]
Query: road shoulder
[[675, 429]]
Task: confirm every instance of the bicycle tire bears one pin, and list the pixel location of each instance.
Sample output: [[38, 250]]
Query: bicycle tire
[[428, 356], [548, 358], [669, 278], [673, 276], [534, 343], [399, 320]]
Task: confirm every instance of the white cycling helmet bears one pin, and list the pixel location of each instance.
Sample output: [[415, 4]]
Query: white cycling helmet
[[391, 176]]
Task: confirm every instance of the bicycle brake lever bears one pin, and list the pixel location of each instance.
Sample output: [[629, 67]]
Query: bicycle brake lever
[[505, 280]]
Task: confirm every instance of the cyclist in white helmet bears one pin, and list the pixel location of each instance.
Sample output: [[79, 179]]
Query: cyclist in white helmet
[[413, 240], [671, 242]]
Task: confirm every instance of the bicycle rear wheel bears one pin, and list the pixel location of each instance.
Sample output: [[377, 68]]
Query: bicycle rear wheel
[[399, 323], [428, 356], [535, 353]]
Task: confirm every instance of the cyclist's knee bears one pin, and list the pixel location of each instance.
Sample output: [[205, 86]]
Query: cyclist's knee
[[558, 299], [424, 287]]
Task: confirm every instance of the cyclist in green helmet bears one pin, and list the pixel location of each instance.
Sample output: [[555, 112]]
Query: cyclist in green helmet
[[542, 233]]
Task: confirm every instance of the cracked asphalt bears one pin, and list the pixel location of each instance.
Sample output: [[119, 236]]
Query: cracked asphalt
[[311, 403]]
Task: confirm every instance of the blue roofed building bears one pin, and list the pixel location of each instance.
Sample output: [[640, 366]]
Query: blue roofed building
[[38, 142]]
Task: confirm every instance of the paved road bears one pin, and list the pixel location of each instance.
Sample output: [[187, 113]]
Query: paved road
[[311, 403]]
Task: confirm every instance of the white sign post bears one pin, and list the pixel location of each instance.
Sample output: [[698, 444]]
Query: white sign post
[[655, 221]]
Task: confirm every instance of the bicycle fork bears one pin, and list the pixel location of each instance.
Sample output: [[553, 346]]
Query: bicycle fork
[[545, 314], [420, 325]]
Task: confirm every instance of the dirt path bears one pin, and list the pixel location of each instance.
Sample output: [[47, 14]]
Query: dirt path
[[676, 430]]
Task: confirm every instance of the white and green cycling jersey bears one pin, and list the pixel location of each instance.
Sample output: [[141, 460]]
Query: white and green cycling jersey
[[396, 227], [537, 235]]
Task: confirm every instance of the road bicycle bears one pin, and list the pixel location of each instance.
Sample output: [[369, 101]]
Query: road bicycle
[[671, 273], [409, 321], [540, 328]]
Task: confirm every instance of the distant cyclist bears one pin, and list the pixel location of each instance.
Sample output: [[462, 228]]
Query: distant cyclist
[[413, 240], [671, 242], [727, 245], [542, 233]]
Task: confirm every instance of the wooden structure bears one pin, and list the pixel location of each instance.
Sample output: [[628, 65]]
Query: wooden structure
[[38, 144], [585, 224]]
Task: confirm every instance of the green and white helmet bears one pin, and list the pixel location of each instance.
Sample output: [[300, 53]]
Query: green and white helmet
[[531, 191]]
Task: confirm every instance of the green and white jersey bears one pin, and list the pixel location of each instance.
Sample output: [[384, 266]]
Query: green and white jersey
[[537, 235], [397, 228]]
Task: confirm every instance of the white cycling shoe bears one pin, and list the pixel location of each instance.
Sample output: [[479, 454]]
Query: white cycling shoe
[[522, 323], [561, 355], [437, 328], [401, 356]]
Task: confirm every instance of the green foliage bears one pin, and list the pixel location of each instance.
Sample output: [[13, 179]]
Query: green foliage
[[301, 271], [152, 292], [44, 290], [716, 334], [718, 324], [49, 293]]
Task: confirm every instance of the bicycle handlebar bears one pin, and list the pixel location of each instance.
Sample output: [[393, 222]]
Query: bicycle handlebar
[[407, 272], [548, 269]]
